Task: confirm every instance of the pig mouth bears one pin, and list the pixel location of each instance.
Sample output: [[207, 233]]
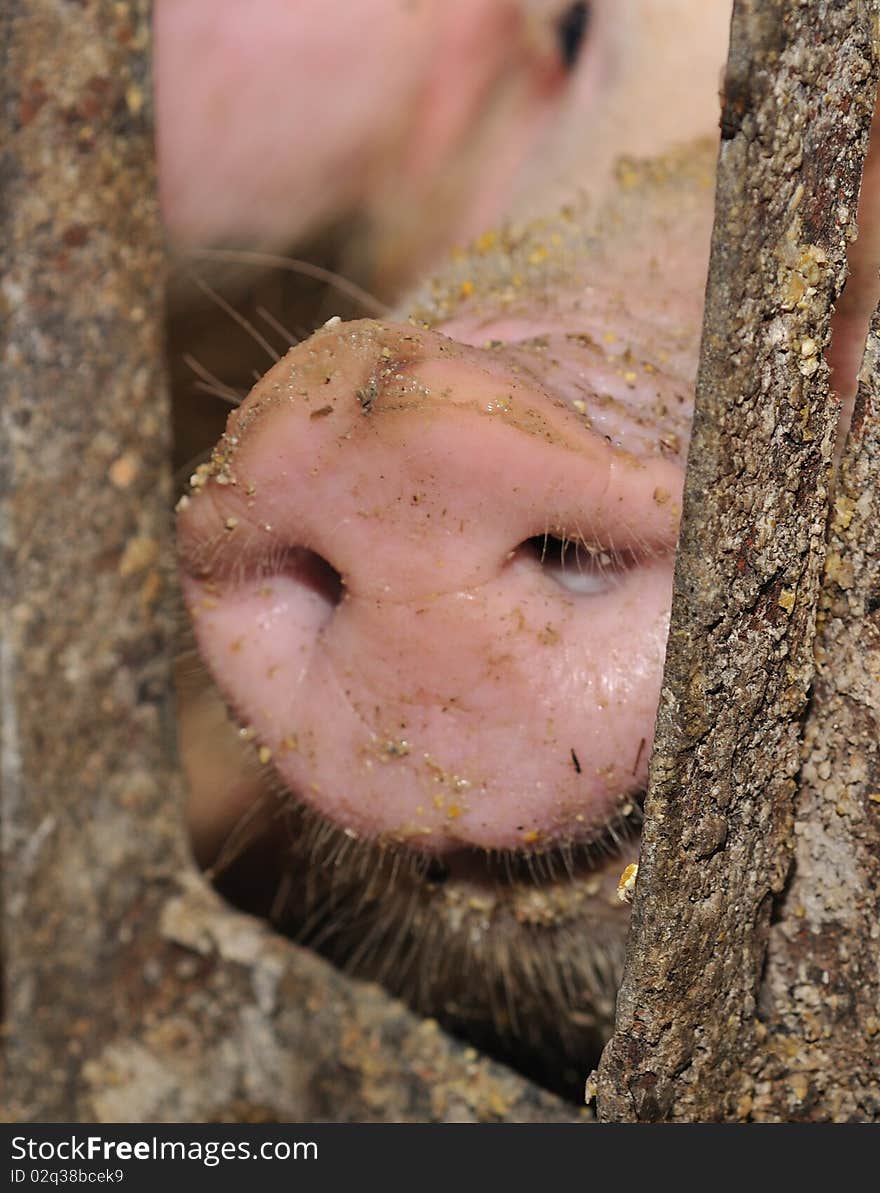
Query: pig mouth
[[519, 953]]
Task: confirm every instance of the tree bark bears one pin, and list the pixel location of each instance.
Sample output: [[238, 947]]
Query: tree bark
[[720, 814], [131, 993], [819, 1054]]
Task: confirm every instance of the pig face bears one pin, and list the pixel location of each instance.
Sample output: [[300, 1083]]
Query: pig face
[[429, 566]]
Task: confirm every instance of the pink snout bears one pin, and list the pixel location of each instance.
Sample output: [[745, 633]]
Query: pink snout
[[436, 596]]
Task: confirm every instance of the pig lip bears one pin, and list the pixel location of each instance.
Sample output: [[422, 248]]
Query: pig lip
[[543, 863], [578, 881], [282, 839], [601, 847], [519, 953]]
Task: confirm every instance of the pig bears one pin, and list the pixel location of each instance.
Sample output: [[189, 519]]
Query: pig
[[409, 125], [429, 567], [405, 122], [442, 105]]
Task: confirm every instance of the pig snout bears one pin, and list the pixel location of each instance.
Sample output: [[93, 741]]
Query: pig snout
[[436, 589], [429, 566]]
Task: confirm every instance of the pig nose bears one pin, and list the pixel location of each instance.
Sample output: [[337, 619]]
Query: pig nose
[[437, 599]]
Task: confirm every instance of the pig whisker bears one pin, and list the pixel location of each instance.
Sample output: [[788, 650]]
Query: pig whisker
[[424, 976], [215, 391], [305, 269], [247, 829], [615, 836], [566, 854], [212, 385], [508, 990], [320, 839], [189, 670], [316, 928], [507, 860], [370, 943], [548, 864], [236, 316], [281, 900], [287, 336], [395, 865], [392, 953], [319, 924]]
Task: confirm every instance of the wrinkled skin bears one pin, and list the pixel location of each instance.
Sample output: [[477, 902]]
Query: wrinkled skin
[[429, 567]]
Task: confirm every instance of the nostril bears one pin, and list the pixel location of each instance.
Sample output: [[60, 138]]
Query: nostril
[[313, 573], [578, 567]]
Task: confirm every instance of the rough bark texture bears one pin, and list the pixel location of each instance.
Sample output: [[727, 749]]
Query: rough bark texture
[[820, 1053], [131, 993], [717, 847], [87, 724]]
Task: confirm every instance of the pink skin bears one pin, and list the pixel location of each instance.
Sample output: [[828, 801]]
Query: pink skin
[[459, 694], [453, 692], [277, 117], [411, 693], [426, 122]]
